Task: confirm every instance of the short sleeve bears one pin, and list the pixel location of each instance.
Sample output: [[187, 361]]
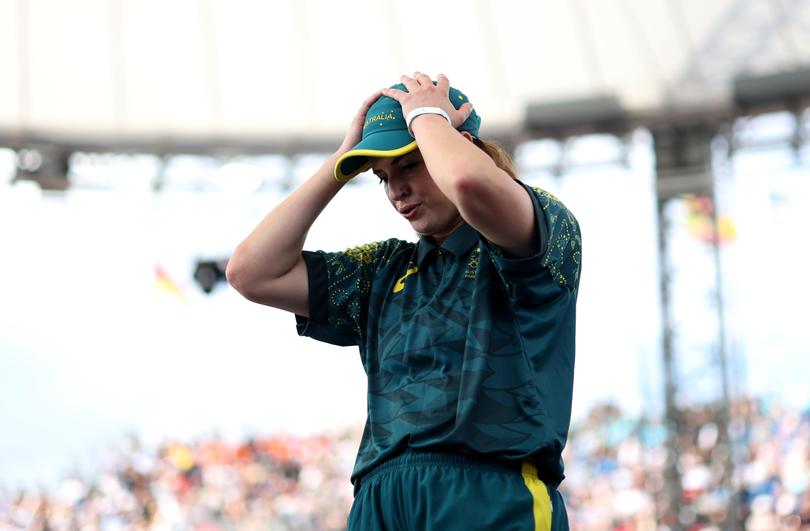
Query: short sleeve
[[339, 288], [556, 266]]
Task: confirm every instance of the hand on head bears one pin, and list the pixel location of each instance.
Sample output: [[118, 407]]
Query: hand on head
[[355, 131], [381, 127], [422, 92]]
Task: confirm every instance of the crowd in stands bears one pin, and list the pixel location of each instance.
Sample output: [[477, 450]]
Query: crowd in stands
[[268, 483], [616, 468]]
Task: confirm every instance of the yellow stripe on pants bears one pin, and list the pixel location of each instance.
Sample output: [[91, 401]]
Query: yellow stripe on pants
[[542, 503]]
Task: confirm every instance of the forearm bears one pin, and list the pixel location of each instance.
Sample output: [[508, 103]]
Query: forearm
[[274, 247], [456, 165], [487, 197]]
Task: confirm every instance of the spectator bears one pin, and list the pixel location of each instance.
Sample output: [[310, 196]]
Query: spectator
[[616, 466]]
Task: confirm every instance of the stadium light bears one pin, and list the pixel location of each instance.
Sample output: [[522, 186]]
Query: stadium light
[[208, 273], [781, 91], [784, 90], [47, 165], [563, 118]]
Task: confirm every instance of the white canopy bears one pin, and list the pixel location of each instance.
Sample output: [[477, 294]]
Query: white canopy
[[236, 69]]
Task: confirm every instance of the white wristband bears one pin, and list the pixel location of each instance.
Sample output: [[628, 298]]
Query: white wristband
[[425, 110]]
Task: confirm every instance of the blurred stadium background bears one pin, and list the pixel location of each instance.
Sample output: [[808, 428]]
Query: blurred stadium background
[[141, 140]]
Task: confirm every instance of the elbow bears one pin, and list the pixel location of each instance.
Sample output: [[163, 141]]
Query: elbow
[[240, 281], [233, 274], [254, 283], [475, 187], [466, 184], [237, 275]]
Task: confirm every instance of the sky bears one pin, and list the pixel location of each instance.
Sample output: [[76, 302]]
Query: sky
[[94, 344]]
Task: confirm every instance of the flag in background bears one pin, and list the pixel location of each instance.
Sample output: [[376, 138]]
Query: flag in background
[[166, 285]]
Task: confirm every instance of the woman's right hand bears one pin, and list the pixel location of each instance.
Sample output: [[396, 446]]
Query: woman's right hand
[[355, 132]]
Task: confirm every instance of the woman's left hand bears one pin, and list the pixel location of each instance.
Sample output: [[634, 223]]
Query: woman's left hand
[[423, 93]]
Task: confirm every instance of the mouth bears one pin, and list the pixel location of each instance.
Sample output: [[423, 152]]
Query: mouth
[[410, 210]]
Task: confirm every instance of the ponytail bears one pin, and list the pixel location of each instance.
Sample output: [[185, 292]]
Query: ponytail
[[498, 154]]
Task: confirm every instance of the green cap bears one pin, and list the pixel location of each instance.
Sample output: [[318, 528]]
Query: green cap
[[385, 134]]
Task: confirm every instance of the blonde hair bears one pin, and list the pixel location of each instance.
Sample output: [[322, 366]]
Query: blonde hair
[[498, 154]]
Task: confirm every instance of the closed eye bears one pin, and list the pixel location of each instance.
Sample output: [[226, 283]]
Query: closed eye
[[412, 164]]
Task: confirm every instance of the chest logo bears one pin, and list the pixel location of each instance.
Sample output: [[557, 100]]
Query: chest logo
[[472, 265], [400, 285]]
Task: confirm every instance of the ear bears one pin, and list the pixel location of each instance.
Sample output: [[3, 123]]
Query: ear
[[467, 135]]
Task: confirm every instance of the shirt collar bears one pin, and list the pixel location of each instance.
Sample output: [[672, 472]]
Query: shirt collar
[[458, 243]]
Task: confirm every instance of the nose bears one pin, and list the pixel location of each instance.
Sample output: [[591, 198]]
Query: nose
[[397, 187]]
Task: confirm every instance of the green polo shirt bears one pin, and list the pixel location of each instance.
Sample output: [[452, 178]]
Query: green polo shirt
[[465, 349]]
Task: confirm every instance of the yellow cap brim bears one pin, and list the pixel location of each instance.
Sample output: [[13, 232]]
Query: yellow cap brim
[[357, 160]]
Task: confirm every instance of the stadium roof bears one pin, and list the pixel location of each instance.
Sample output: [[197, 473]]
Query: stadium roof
[[241, 69]]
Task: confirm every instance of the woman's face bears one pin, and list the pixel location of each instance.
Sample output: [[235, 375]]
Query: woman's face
[[413, 193]]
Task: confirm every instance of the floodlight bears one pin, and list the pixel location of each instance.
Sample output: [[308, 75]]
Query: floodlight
[[599, 114], [784, 89], [208, 273]]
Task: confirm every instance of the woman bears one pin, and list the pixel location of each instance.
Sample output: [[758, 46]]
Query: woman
[[467, 336]]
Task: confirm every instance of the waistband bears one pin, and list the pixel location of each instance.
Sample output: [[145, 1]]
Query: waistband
[[415, 456]]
